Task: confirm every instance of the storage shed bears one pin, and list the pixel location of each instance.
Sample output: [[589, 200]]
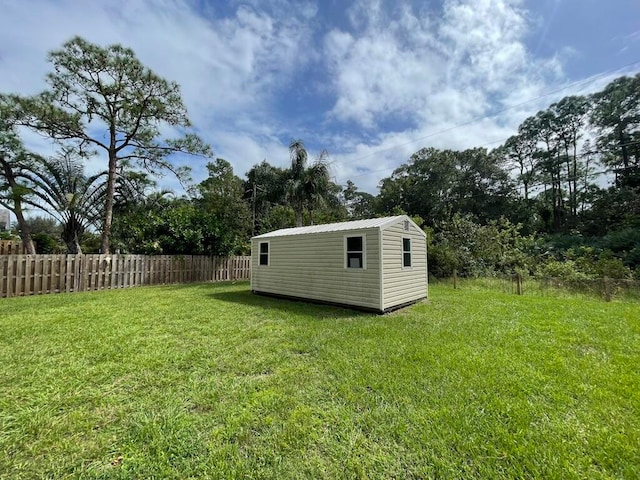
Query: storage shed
[[378, 264]]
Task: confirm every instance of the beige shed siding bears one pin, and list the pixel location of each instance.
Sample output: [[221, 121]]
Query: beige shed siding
[[312, 266], [403, 285]]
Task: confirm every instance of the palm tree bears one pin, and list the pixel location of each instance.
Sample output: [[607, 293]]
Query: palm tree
[[61, 189], [307, 187]]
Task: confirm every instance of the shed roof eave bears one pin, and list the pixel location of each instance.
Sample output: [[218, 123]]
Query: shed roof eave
[[378, 223]]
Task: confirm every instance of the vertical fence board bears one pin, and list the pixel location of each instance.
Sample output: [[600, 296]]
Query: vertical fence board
[[100, 271], [68, 273], [143, 271], [92, 271], [151, 266], [10, 276], [37, 275], [115, 275], [19, 285], [140, 270], [4, 273], [46, 274], [60, 273]]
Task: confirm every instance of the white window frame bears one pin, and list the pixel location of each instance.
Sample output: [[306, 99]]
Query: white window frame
[[260, 264], [364, 252], [410, 252]]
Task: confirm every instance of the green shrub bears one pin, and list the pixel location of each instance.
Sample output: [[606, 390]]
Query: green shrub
[[476, 250], [567, 270], [47, 244], [442, 261], [91, 242], [612, 267], [622, 240], [4, 235]]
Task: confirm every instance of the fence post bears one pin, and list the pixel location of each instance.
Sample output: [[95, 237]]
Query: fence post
[[607, 289], [455, 278], [518, 284]]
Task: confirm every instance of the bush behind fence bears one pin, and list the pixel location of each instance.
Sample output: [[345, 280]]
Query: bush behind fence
[[42, 274]]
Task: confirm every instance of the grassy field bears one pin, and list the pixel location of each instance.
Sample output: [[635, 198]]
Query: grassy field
[[209, 381]]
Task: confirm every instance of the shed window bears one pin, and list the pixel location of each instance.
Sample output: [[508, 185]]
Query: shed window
[[406, 252], [264, 253], [355, 252]]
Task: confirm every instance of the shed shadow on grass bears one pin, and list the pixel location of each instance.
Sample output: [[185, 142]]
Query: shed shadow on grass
[[291, 306]]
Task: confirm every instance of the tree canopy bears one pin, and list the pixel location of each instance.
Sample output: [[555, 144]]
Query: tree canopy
[[538, 198], [105, 99]]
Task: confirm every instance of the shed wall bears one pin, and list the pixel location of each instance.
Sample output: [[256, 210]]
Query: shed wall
[[403, 284], [311, 266]]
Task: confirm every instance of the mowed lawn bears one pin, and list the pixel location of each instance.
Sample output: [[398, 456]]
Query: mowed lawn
[[210, 381]]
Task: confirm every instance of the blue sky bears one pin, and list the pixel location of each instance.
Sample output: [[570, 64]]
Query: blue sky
[[370, 81]]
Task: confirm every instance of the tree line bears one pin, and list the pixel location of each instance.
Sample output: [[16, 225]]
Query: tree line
[[539, 200]]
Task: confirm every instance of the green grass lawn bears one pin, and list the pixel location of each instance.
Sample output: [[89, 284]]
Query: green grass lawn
[[210, 381]]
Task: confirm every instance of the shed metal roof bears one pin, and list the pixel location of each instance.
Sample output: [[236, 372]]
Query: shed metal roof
[[336, 227]]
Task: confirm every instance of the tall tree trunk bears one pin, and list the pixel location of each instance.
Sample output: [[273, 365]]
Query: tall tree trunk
[[569, 179], [586, 183], [253, 203], [575, 176], [557, 208], [73, 246], [108, 204], [525, 182], [71, 232], [25, 231], [557, 190], [298, 215], [625, 154], [556, 193]]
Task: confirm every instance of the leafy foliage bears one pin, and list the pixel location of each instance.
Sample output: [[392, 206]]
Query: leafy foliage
[[479, 250], [436, 184], [527, 204], [105, 99], [307, 187], [221, 196], [60, 188], [172, 226], [616, 115], [15, 160]]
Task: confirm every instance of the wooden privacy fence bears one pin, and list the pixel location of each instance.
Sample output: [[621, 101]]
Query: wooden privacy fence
[[9, 247], [40, 274]]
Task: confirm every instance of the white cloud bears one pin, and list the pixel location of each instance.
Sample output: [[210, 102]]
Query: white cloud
[[384, 78], [229, 68], [460, 77], [431, 67]]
